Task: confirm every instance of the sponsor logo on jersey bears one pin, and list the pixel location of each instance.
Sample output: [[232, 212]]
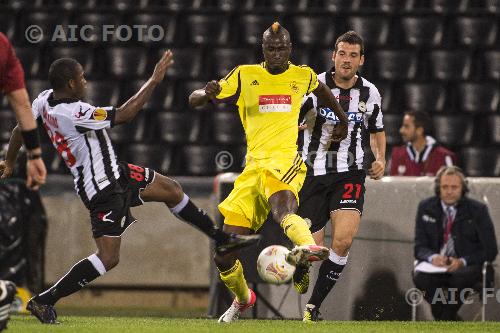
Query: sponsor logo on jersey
[[275, 103], [353, 117], [254, 83], [100, 114], [81, 113], [348, 201]]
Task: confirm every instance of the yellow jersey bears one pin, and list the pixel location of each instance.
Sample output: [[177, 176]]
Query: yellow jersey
[[268, 105]]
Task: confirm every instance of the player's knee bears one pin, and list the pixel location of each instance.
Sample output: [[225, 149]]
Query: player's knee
[[110, 261], [173, 188], [342, 244]]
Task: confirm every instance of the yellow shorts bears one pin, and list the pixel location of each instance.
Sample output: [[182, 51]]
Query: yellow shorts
[[247, 205]]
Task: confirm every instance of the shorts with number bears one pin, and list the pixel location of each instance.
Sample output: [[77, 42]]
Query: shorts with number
[[110, 213], [324, 194], [247, 205]]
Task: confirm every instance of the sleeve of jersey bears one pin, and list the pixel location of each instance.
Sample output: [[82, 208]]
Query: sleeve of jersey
[[375, 122], [230, 88], [34, 109], [87, 117], [13, 76], [313, 81]]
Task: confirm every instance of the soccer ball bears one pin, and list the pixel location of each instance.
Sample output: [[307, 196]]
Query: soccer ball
[[272, 266]]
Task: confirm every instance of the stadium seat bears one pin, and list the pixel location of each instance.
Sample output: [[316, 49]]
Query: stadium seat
[[207, 29], [158, 157], [422, 31], [373, 29], [84, 55], [301, 56], [479, 162], [200, 160], [102, 93], [126, 62], [188, 63], [35, 87], [427, 97], [8, 23], [227, 128], [336, 6], [97, 21], [152, 34], [30, 59], [395, 65], [494, 129], [482, 6], [478, 97], [224, 60], [392, 123], [389, 103], [452, 130], [251, 28], [433, 6], [170, 5], [316, 31], [45, 20], [7, 123], [162, 97], [321, 60], [183, 90], [140, 129], [179, 127], [476, 31], [450, 65], [491, 64]]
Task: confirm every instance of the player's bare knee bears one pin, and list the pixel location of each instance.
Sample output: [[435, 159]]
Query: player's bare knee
[[110, 261], [342, 244]]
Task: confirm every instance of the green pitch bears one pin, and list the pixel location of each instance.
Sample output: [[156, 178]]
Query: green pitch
[[77, 324]]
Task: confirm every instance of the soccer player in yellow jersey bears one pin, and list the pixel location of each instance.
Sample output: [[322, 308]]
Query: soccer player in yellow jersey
[[268, 96]]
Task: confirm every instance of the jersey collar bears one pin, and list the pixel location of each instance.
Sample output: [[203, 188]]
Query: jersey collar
[[331, 83], [53, 102]]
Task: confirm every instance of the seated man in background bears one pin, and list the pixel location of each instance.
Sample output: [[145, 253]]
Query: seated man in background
[[456, 235], [421, 155]]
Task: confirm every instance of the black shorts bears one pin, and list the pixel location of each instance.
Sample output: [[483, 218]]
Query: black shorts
[[110, 209], [321, 195]]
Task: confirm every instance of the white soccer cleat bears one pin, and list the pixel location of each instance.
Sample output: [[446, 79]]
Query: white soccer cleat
[[235, 310], [307, 253]]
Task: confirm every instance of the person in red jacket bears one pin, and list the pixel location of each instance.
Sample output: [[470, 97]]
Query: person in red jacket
[[421, 155]]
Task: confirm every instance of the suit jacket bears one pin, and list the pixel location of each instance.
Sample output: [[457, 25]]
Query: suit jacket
[[473, 232]]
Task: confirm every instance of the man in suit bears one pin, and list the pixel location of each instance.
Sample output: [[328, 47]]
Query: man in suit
[[456, 234]]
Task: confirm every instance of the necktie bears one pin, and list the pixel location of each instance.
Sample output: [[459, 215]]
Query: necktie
[[449, 224]]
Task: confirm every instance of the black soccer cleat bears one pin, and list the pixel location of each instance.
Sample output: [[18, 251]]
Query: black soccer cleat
[[311, 314], [44, 312], [300, 277], [235, 242], [7, 292]]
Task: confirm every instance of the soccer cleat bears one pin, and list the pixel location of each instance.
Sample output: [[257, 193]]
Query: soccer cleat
[[44, 312], [300, 278], [235, 242], [235, 310], [7, 293], [307, 253], [311, 314]]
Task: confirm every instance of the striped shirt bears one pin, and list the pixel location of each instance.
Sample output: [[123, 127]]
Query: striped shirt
[[362, 105], [77, 131]]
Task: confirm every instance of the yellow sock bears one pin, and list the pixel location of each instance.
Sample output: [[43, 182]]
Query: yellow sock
[[235, 281], [297, 230]]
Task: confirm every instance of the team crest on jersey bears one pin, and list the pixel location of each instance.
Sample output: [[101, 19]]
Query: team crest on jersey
[[100, 114], [362, 106], [294, 87]]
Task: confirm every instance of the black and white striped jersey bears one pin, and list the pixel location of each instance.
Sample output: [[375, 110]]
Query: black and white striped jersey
[[77, 131], [362, 105]]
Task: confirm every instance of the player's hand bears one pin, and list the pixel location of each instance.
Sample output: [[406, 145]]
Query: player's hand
[[454, 264], [162, 65], [5, 169], [212, 89], [377, 170], [339, 132], [302, 127], [36, 173], [439, 260]]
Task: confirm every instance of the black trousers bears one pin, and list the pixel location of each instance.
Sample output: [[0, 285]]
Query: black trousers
[[445, 292]]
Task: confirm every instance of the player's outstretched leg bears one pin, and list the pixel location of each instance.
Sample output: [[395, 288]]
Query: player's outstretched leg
[[231, 273], [81, 274], [169, 191], [7, 293]]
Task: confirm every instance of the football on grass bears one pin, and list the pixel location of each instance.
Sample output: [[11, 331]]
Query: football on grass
[[272, 265]]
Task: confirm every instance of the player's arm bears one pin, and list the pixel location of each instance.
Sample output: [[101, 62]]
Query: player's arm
[[130, 108], [378, 144], [15, 143], [325, 97], [200, 97]]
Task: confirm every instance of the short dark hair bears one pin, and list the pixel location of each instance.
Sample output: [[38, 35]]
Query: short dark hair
[[422, 119], [351, 37], [61, 71]]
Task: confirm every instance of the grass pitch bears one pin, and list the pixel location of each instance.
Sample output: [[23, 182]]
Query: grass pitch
[[84, 324]]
